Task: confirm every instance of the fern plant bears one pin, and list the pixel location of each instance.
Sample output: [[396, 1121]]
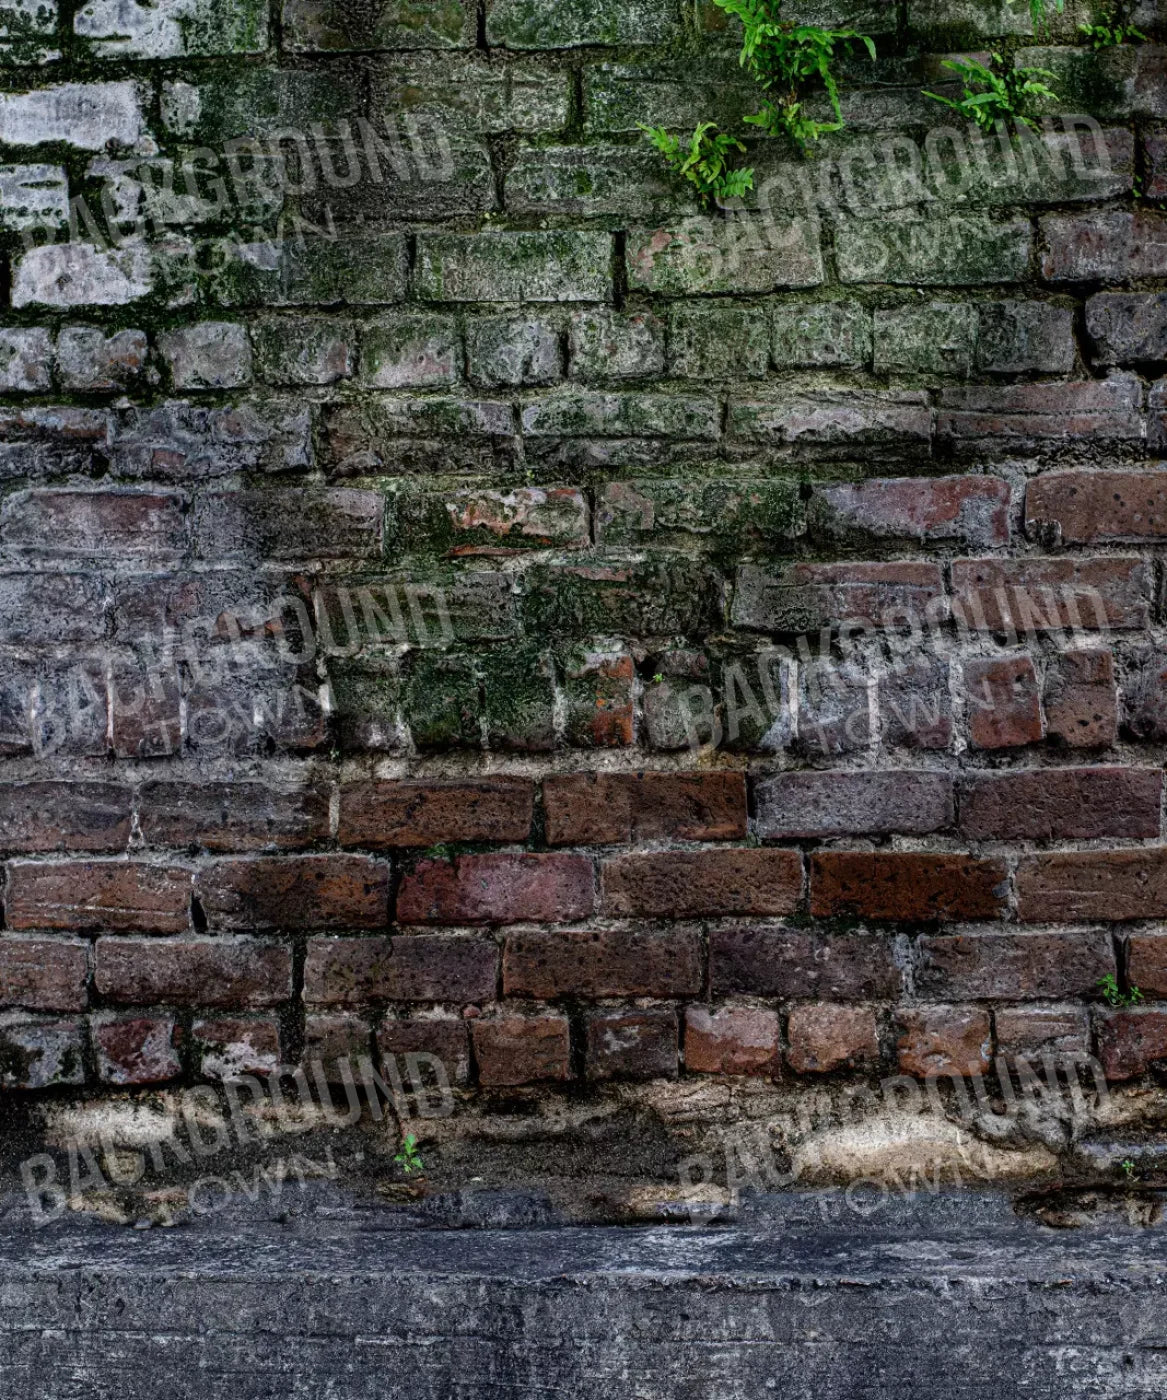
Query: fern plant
[[782, 58], [994, 94], [1113, 28], [703, 159], [1038, 10]]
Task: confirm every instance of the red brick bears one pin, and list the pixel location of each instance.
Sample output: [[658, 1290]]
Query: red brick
[[1148, 963], [731, 1040], [795, 963], [909, 885], [631, 1045], [1104, 247], [136, 1049], [1145, 694], [295, 892], [1003, 702], [1081, 699], [43, 817], [235, 817], [420, 967], [383, 815], [1004, 418], [692, 884], [1155, 148], [498, 889], [146, 704], [77, 895], [230, 1046], [1076, 886], [330, 1039], [603, 963], [914, 704], [203, 972], [446, 1038], [846, 803], [44, 974], [801, 598], [825, 1037], [1062, 804], [937, 1040], [1025, 596], [1098, 507], [1130, 1042], [1040, 1030], [1013, 966], [118, 524], [607, 808], [521, 1049], [972, 509]]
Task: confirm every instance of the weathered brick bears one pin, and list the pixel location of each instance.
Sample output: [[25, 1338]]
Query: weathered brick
[[207, 355], [78, 274], [147, 708], [839, 422], [403, 813], [800, 598], [1104, 246], [25, 361], [295, 892], [91, 361], [331, 25], [1021, 337], [954, 251], [941, 1040], [500, 350], [512, 1050], [522, 267], [86, 116], [822, 335], [607, 344], [202, 972], [498, 889], [721, 512], [1076, 886], [794, 963], [939, 338], [971, 509], [1033, 1031], [440, 703], [28, 33], [1144, 694], [40, 817], [477, 92], [38, 1053], [906, 885], [78, 895], [631, 1045], [230, 1046], [479, 520], [605, 595], [1081, 699], [1097, 507], [1003, 702], [1128, 327], [604, 809], [121, 524], [603, 963], [1013, 966], [307, 351], [181, 441], [824, 1036], [584, 413], [591, 182], [330, 1040], [618, 97], [834, 709], [712, 342], [703, 256], [136, 1049], [696, 884], [914, 705], [843, 803], [337, 523], [446, 1038], [1024, 596], [1130, 1042], [171, 28], [1061, 804], [422, 967], [1033, 417], [731, 1040], [236, 817], [44, 974], [598, 691], [526, 24], [518, 699], [1147, 967], [408, 352]]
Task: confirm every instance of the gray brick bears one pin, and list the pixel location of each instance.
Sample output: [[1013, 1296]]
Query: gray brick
[[1128, 327], [331, 26], [958, 250], [513, 350], [717, 255], [564, 24], [208, 355], [118, 29], [822, 335], [608, 344], [710, 342], [520, 267], [939, 338], [1017, 337]]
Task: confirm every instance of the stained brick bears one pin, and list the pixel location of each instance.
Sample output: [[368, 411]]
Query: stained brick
[[121, 524], [1104, 246], [825, 1037], [694, 884], [136, 1049], [235, 817], [79, 895], [1013, 966], [631, 1045], [498, 889], [1130, 1042], [603, 963], [793, 963], [514, 1050], [421, 967], [230, 1046], [332, 524], [906, 885], [603, 809], [845, 803], [202, 972], [1040, 1030], [807, 597], [44, 974], [713, 255], [295, 892], [63, 816], [1020, 417], [1061, 804], [1075, 886], [1024, 596], [953, 251], [971, 509], [1148, 963], [1003, 702], [1128, 327], [938, 1040], [731, 1040], [1097, 507], [446, 1038], [383, 815], [522, 267], [40, 1053]]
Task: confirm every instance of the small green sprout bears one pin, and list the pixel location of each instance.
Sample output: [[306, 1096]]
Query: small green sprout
[[409, 1159], [1114, 995]]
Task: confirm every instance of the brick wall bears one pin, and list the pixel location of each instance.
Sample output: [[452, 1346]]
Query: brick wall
[[461, 595]]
